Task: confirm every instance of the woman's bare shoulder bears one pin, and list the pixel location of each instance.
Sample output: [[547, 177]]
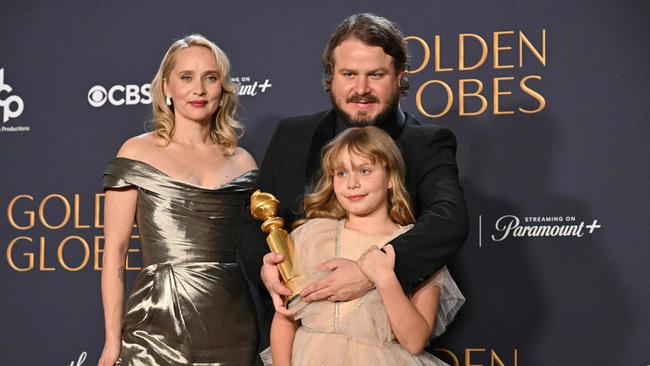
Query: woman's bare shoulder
[[140, 146], [243, 160]]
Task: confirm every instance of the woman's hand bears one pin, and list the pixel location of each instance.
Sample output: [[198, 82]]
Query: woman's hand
[[377, 265], [110, 353]]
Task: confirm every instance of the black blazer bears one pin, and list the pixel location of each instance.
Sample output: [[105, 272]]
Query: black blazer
[[293, 158]]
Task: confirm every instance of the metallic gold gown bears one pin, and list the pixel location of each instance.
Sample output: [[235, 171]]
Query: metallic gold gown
[[189, 305]]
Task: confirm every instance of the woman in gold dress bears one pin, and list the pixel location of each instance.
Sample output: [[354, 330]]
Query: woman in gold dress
[[186, 184]]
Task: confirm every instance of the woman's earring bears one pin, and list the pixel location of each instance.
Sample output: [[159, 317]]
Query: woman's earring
[[221, 103], [168, 100]]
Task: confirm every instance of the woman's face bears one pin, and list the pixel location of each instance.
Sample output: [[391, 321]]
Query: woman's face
[[193, 85], [361, 186]]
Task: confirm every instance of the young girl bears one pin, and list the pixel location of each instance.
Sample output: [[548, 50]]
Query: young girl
[[359, 206]]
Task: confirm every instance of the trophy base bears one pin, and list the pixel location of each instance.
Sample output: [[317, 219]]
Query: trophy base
[[291, 300], [294, 285]]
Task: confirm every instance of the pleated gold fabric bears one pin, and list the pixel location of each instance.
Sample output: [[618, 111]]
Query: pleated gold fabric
[[189, 305]]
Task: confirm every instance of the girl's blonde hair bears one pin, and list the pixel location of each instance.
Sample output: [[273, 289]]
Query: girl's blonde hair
[[375, 145], [224, 129]]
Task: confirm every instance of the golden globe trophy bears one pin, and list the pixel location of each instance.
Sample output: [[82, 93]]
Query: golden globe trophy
[[264, 206]]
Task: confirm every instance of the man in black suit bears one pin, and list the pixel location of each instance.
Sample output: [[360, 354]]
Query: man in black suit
[[364, 66]]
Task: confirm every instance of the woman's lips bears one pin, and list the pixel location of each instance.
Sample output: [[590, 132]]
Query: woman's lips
[[199, 103]]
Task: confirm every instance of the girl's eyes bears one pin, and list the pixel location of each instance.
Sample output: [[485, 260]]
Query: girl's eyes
[[186, 77], [363, 171]]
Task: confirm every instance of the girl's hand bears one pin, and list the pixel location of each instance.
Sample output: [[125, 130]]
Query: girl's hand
[[377, 265]]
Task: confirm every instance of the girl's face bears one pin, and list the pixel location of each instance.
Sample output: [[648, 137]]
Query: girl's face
[[194, 85], [361, 186]]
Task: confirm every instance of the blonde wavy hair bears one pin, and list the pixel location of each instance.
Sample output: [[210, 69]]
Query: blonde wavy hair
[[225, 130], [375, 145]]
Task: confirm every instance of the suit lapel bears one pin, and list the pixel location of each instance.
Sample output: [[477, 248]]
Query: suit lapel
[[409, 123], [322, 135]]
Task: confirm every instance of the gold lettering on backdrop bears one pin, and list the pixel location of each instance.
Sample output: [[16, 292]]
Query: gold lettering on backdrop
[[99, 200], [495, 357], [62, 262], [41, 209], [132, 250], [77, 224], [10, 255], [426, 56], [503, 44], [418, 98], [42, 266], [461, 51], [53, 251], [436, 56], [497, 49], [523, 39], [450, 353], [468, 352], [477, 93], [540, 99], [497, 92], [97, 251], [10, 213]]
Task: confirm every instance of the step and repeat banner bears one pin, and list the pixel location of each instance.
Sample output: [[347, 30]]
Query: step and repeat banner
[[549, 102]]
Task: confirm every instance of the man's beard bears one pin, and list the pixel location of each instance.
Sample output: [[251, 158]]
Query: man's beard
[[362, 119]]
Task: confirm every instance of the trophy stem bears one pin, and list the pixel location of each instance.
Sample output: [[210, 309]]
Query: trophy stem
[[264, 207]]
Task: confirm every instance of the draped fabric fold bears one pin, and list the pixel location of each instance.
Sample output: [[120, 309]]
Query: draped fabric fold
[[189, 304]]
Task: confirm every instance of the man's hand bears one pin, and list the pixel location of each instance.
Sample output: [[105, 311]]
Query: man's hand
[[270, 275], [346, 282]]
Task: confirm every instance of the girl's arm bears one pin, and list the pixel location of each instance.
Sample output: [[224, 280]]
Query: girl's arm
[[411, 319], [119, 213], [283, 330]]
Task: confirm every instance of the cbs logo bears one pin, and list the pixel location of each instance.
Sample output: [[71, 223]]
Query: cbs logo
[[118, 95]]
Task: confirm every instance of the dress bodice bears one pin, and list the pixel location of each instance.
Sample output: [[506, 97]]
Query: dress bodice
[[317, 242], [189, 304], [182, 222]]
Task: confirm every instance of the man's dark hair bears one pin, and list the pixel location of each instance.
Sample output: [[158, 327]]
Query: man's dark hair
[[372, 30]]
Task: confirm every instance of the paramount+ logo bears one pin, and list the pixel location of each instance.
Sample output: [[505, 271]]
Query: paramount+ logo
[[119, 95]]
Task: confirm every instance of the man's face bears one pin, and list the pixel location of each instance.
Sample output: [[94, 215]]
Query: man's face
[[365, 86]]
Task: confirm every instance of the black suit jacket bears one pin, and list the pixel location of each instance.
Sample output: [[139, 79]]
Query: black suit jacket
[[289, 167]]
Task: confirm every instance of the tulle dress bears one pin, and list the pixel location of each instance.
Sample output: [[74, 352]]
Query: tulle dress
[[355, 332]]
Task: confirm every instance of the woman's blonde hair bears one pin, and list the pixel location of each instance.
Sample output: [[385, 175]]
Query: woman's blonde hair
[[224, 129], [375, 145]]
